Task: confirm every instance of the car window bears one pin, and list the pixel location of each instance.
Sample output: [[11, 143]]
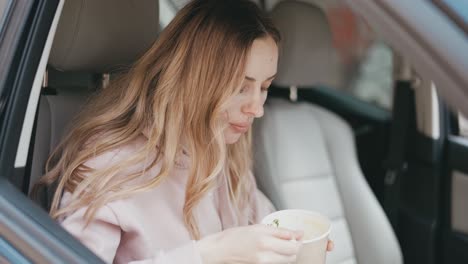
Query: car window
[[462, 125], [167, 11], [3, 11], [366, 61], [457, 10], [363, 62], [179, 3], [459, 7]]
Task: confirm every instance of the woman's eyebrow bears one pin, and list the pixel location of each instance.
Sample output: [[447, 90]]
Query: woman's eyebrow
[[253, 79]]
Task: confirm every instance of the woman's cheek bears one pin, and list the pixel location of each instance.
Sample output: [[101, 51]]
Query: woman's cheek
[[225, 116]]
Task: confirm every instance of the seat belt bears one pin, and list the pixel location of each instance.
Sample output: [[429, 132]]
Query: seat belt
[[396, 163]]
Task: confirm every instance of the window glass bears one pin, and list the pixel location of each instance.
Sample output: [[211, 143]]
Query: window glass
[[456, 10], [364, 66], [3, 10], [363, 62], [460, 8], [462, 125], [168, 9], [179, 3], [367, 62]]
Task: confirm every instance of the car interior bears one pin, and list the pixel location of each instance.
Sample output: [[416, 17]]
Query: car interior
[[378, 172], [80, 61], [319, 170], [306, 154]]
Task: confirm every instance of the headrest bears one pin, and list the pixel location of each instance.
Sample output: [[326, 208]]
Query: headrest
[[307, 54], [103, 35]]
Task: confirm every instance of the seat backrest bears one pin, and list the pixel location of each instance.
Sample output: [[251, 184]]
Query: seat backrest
[[310, 23], [92, 38], [305, 155]]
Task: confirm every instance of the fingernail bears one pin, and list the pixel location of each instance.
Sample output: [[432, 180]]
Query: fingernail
[[299, 234]]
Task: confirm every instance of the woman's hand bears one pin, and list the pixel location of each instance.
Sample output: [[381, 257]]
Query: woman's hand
[[251, 244], [330, 245]]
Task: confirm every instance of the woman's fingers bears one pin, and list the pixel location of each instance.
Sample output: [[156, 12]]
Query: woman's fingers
[[274, 258], [330, 245], [283, 233], [282, 247], [299, 235], [280, 233]]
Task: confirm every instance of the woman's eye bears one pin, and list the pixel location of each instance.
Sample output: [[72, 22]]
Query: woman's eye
[[264, 89], [243, 89]]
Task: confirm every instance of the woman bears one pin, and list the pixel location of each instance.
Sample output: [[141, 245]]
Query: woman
[[157, 168]]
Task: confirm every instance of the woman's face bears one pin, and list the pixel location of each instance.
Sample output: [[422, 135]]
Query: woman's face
[[261, 66]]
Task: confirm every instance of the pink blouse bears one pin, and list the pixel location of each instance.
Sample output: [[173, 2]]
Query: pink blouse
[[149, 227]]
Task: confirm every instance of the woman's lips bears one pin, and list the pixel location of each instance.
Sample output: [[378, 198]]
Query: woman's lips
[[240, 128]]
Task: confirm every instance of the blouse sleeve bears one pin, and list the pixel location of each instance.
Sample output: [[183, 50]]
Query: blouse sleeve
[[104, 233], [102, 236]]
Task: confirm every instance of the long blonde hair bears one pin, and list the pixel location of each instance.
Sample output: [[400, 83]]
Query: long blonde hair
[[177, 91]]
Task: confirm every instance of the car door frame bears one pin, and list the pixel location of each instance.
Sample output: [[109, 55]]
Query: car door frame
[[453, 240], [27, 233], [404, 25]]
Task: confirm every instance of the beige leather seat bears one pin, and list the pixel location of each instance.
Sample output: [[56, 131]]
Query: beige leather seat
[[92, 38], [306, 156]]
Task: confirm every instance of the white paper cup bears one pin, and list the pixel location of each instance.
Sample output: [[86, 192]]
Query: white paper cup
[[316, 229]]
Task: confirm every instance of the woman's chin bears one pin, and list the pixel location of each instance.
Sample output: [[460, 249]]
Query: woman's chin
[[232, 138]]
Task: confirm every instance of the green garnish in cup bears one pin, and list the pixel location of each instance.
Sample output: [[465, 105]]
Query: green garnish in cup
[[276, 222]]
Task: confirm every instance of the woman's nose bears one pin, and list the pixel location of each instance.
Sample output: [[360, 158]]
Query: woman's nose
[[254, 107]]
